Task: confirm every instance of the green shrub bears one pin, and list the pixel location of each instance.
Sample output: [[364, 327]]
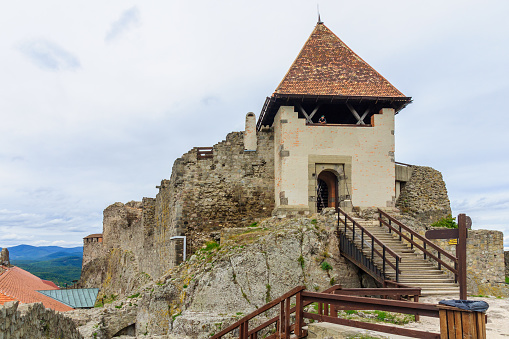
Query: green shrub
[[134, 295], [255, 224], [314, 221], [325, 266], [447, 222]]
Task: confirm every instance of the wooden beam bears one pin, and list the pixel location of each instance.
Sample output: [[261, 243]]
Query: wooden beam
[[355, 114]]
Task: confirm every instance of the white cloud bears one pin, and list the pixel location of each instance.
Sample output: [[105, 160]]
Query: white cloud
[[71, 143], [128, 19], [48, 55]]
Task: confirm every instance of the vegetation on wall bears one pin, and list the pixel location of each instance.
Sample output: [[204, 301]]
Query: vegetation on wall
[[447, 222]]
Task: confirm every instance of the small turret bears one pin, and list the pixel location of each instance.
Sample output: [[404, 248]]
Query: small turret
[[4, 257]]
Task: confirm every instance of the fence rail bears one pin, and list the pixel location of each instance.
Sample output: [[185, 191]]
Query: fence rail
[[329, 303]]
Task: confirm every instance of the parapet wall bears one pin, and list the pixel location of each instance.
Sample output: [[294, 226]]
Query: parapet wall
[[424, 196], [35, 322]]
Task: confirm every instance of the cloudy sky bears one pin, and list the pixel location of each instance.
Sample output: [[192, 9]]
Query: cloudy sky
[[98, 98]]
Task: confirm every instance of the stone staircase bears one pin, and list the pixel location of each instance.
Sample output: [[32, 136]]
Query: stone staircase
[[415, 270]]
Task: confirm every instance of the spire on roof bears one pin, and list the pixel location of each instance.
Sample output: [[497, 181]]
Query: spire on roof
[[327, 66], [318, 10]]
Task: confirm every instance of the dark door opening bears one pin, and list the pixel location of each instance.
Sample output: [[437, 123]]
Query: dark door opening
[[326, 191]]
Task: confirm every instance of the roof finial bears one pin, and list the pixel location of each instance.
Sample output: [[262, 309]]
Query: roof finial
[[318, 10]]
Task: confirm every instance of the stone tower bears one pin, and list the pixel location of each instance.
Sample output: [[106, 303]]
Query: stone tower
[[333, 122]]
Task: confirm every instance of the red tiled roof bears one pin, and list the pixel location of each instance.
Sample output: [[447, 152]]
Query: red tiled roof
[[5, 298], [327, 66], [22, 285], [98, 235]]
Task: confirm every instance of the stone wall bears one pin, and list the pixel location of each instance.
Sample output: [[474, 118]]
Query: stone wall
[[92, 249], [33, 321], [506, 259], [233, 188], [424, 196]]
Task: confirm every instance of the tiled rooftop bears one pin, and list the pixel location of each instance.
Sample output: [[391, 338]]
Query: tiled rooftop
[[21, 285], [5, 298], [97, 235], [327, 66]]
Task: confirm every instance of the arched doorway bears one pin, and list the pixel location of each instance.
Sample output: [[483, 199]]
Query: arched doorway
[[326, 190]]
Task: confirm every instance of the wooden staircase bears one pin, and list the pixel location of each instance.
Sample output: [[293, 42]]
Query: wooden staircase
[[415, 270]]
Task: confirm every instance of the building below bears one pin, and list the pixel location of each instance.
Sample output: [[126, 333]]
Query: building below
[[17, 284]]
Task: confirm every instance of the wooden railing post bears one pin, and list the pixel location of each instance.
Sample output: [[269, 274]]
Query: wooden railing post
[[397, 270], [383, 258], [299, 309], [287, 318], [282, 319]]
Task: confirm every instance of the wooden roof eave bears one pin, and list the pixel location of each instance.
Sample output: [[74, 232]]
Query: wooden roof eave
[[267, 113]]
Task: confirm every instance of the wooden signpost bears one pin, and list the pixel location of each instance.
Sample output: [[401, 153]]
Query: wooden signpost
[[460, 234]]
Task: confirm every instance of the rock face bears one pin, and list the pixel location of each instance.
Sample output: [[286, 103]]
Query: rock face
[[424, 196], [221, 283]]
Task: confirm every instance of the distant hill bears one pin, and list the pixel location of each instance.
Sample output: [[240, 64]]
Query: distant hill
[[58, 264], [61, 270], [27, 252]]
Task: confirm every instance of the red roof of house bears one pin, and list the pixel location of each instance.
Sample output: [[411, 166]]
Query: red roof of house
[[327, 66], [21, 285], [97, 235], [5, 299]]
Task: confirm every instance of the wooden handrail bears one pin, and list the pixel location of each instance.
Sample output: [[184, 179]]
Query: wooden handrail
[[420, 237], [378, 241], [374, 240], [259, 311]]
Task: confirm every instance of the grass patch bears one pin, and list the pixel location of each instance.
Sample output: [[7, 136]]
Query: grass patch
[[134, 296], [255, 224], [507, 280], [210, 245], [301, 261]]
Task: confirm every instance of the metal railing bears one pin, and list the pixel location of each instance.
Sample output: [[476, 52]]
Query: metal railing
[[424, 245], [370, 241]]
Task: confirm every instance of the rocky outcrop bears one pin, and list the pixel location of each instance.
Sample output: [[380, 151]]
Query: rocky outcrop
[[222, 282], [424, 196]]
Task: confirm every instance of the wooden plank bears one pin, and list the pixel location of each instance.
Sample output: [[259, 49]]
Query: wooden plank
[[374, 327], [467, 324], [450, 325], [458, 324], [451, 233], [443, 325], [481, 325], [355, 302]]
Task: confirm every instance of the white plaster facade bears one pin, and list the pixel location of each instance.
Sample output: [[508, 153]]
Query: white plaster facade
[[364, 153]]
